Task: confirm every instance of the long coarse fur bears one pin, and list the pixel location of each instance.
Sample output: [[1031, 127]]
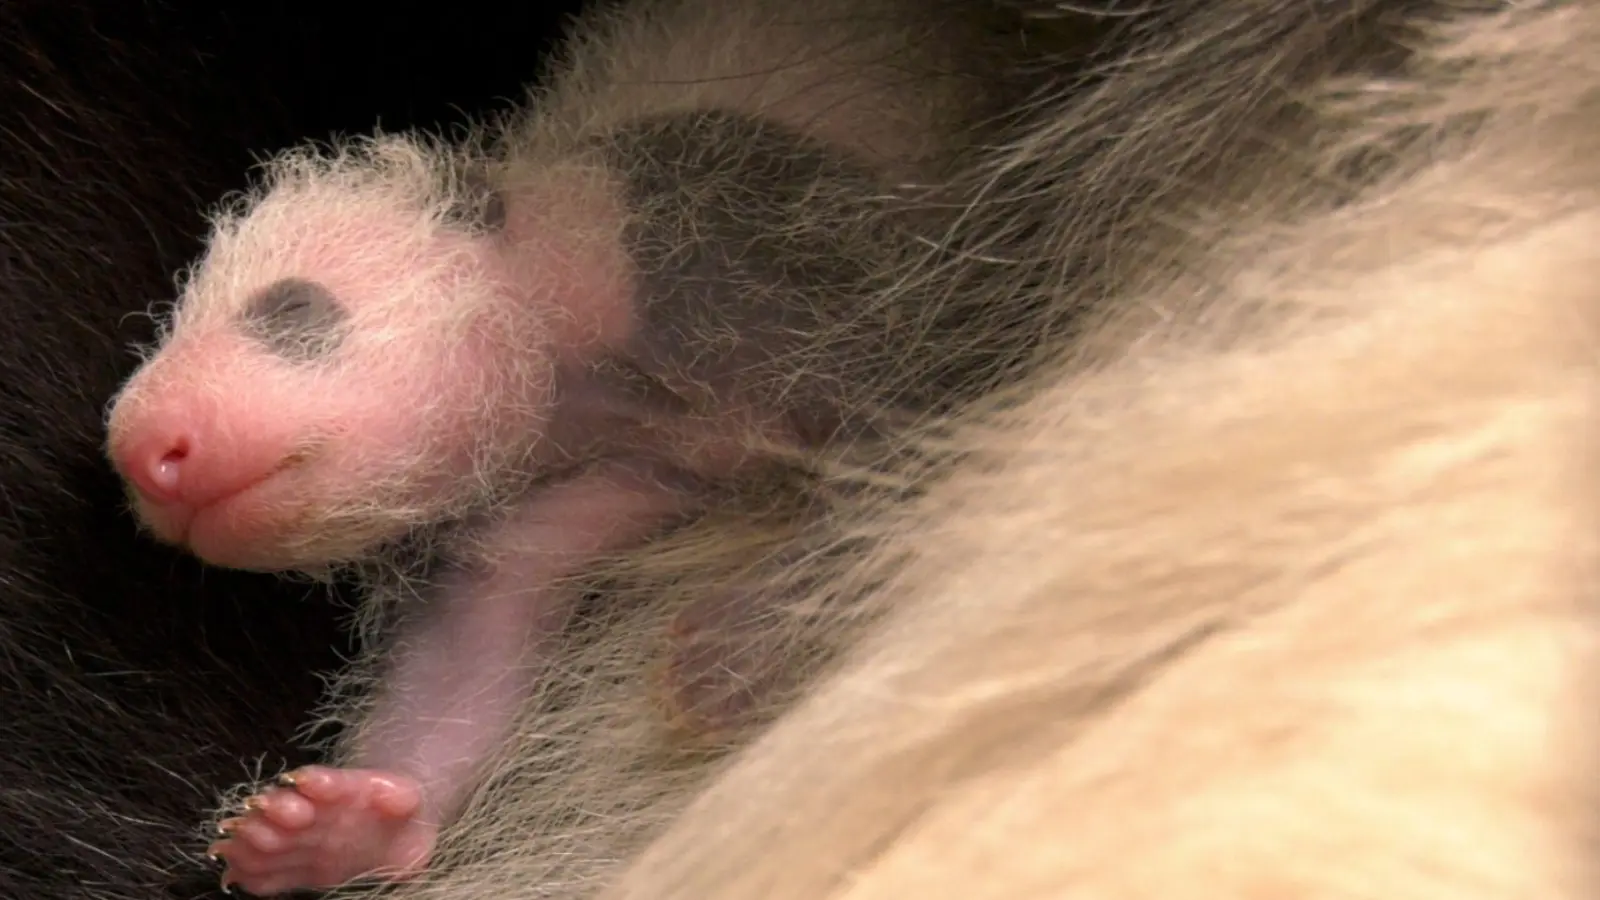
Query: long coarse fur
[[1293, 597], [133, 683], [894, 82]]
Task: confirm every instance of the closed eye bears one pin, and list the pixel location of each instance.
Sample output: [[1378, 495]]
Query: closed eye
[[296, 318]]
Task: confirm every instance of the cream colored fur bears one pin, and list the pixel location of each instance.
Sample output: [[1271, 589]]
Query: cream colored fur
[[1313, 615], [882, 80]]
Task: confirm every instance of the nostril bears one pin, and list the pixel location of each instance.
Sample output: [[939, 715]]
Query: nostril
[[164, 475], [171, 465], [157, 469]]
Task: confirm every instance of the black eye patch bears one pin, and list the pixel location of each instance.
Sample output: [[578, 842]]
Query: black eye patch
[[296, 318]]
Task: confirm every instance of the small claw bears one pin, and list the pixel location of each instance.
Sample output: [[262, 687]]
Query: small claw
[[253, 804], [286, 780]]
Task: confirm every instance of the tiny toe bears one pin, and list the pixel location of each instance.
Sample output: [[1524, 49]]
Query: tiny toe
[[394, 797], [248, 868], [284, 808], [243, 876], [320, 783], [263, 835]]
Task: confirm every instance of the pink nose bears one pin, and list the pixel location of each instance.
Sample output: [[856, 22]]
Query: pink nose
[[173, 461], [155, 466]]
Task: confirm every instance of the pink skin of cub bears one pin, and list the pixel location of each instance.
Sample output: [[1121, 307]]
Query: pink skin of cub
[[256, 461], [438, 718]]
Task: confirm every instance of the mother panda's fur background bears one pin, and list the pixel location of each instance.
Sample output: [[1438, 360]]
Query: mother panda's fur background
[[1295, 597]]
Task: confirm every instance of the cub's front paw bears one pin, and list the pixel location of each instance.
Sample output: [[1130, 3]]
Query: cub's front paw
[[322, 827]]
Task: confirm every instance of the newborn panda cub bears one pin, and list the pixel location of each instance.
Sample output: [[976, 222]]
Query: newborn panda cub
[[518, 366]]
